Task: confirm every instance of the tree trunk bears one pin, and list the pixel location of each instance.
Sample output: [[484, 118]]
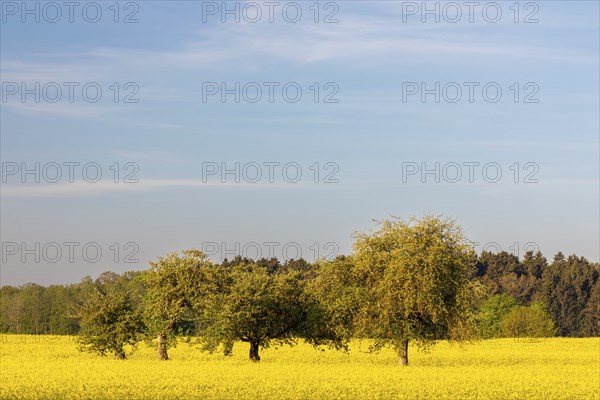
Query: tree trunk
[[161, 347], [403, 353], [120, 354], [228, 348], [254, 352]]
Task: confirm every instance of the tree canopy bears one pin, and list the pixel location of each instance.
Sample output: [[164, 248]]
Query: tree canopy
[[174, 284], [418, 279], [109, 322], [255, 304]]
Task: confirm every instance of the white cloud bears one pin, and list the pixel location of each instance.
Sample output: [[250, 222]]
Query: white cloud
[[58, 109], [82, 188], [355, 41]]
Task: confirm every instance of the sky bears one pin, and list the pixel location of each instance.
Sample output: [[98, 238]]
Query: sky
[[129, 131]]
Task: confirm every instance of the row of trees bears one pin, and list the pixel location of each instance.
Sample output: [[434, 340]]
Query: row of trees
[[413, 280], [567, 290], [410, 280], [35, 309]]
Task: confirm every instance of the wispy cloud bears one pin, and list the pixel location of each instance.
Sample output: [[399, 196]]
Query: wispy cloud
[[82, 188], [60, 109], [371, 40]]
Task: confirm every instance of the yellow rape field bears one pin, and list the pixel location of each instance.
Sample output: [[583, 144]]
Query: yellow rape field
[[50, 367]]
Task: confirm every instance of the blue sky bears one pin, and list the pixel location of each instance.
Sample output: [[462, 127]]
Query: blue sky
[[170, 133]]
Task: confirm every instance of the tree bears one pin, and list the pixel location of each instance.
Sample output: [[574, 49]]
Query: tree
[[252, 305], [171, 289], [534, 266], [107, 278], [504, 274], [491, 314], [533, 322], [417, 275], [334, 296], [108, 323], [591, 313], [34, 310], [11, 306], [567, 285], [62, 318]]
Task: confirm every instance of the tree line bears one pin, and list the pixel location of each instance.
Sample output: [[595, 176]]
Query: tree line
[[410, 280]]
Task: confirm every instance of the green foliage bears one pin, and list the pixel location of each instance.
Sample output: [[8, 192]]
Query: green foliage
[[253, 305], [527, 322], [417, 277], [173, 285], [334, 297], [504, 274], [591, 313], [491, 314], [109, 323], [35, 309], [534, 266], [567, 285]]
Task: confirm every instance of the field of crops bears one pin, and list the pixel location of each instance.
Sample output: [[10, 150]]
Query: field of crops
[[50, 367]]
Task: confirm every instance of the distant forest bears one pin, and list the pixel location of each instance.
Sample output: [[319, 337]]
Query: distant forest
[[565, 290]]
